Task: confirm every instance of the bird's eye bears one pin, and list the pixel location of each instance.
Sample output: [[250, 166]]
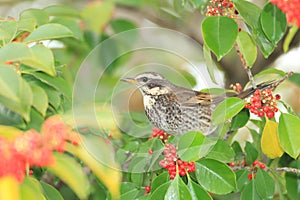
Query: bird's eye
[[145, 79]]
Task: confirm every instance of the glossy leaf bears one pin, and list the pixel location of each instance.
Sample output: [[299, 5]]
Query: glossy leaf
[[160, 192], [40, 16], [270, 141], [251, 153], [265, 185], [9, 188], [238, 150], [97, 14], [8, 52], [247, 47], [242, 179], [68, 170], [273, 22], [197, 192], [71, 24], [251, 15], [215, 176], [222, 152], [27, 25], [189, 145], [31, 189], [178, 190], [50, 192], [240, 120], [159, 180], [227, 109], [219, 33], [49, 32], [250, 192], [288, 132]]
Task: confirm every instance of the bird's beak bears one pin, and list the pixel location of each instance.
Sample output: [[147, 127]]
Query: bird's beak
[[129, 80]]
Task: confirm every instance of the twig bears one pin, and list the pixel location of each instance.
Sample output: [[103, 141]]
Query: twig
[[288, 169], [246, 67]]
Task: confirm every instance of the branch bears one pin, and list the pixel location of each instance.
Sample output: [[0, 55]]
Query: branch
[[288, 169]]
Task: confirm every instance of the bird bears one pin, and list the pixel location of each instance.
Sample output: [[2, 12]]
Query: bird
[[177, 110]]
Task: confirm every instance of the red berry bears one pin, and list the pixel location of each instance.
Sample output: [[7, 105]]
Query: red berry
[[230, 5], [150, 151], [277, 97], [257, 92], [270, 114], [148, 189], [224, 3], [261, 114], [262, 165], [172, 176], [256, 162], [250, 176], [231, 164]]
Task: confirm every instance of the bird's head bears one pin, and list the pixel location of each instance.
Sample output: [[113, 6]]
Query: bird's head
[[150, 83]]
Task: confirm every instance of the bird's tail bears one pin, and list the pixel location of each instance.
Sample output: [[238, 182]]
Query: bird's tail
[[271, 84]]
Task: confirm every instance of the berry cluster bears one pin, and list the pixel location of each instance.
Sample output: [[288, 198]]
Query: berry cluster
[[160, 134], [30, 148], [173, 163], [263, 103], [289, 7], [221, 8]]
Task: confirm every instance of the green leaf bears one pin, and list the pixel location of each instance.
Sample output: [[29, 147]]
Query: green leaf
[[8, 30], [8, 52], [97, 14], [120, 25], [15, 93], [128, 191], [273, 22], [159, 180], [221, 152], [58, 83], [178, 190], [242, 179], [209, 62], [27, 24], [50, 192], [288, 132], [189, 145], [292, 181], [40, 99], [10, 118], [41, 17], [265, 185], [49, 32], [215, 176], [159, 193], [251, 153], [197, 192], [251, 15], [240, 120], [60, 10], [31, 189], [70, 23], [227, 109], [219, 33], [238, 150], [249, 192], [295, 78], [69, 171], [247, 47], [43, 59]]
